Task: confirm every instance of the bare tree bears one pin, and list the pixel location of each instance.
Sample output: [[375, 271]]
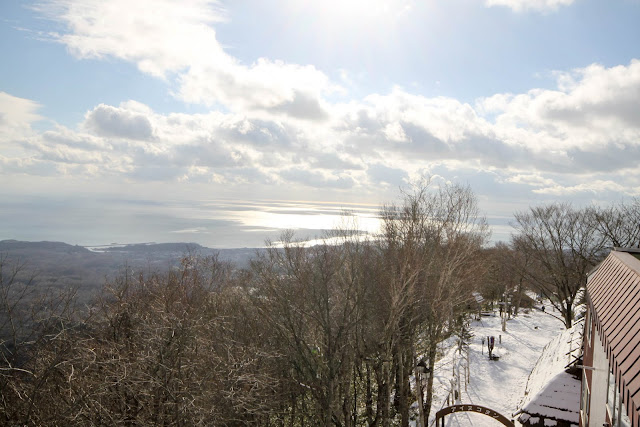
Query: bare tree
[[310, 296], [619, 224], [181, 348], [499, 277], [562, 247], [505, 267], [433, 239], [32, 323]]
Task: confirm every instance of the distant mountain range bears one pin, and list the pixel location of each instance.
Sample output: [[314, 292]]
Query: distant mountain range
[[61, 265]]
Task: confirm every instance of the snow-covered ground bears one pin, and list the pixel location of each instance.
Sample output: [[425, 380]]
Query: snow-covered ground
[[499, 384]]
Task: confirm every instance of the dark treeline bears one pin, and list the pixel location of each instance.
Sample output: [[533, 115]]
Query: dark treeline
[[308, 335]]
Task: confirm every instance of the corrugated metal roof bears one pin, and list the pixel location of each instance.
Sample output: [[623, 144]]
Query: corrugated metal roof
[[614, 295]]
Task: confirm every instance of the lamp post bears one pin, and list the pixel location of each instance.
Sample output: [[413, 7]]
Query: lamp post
[[423, 373]]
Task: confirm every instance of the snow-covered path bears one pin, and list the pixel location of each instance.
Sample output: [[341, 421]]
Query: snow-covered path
[[500, 384]]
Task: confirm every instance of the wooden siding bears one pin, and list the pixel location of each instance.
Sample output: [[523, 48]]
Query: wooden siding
[[614, 296]]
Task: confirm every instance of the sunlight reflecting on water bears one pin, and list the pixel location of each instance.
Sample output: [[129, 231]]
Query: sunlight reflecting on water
[[310, 220], [307, 217]]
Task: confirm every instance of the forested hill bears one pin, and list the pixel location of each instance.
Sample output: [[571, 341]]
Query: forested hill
[[61, 265], [26, 247]]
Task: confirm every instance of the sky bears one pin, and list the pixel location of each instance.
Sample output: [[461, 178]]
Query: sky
[[225, 122]]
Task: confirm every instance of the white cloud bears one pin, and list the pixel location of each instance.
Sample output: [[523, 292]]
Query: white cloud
[[594, 187], [160, 36], [16, 115], [534, 180], [381, 174], [108, 121], [318, 179], [176, 40], [526, 5], [62, 151], [277, 105], [266, 85], [588, 124], [394, 132], [601, 94], [594, 109], [133, 141]]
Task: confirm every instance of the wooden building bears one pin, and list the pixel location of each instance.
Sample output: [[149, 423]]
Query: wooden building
[[610, 394]]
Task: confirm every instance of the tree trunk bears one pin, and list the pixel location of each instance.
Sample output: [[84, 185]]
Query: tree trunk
[[420, 392], [518, 298], [369, 397], [384, 380], [568, 314], [429, 400], [402, 388]]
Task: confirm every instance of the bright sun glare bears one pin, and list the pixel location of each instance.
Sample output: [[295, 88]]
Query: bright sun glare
[[353, 15], [309, 218]]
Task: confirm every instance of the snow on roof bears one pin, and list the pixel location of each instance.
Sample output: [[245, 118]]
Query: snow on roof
[[559, 399], [553, 391]]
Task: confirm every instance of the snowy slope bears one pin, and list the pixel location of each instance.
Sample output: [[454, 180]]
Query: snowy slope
[[499, 385]]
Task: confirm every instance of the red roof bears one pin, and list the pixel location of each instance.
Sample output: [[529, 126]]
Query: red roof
[[614, 294]]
